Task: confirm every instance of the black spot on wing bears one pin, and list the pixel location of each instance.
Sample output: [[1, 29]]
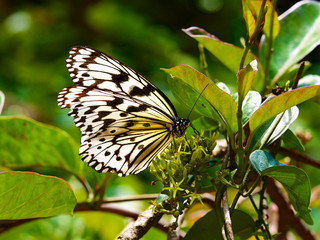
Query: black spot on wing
[[114, 103], [145, 91], [140, 108], [120, 78]]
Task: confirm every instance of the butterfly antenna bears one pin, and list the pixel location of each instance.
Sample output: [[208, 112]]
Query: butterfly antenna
[[195, 130]]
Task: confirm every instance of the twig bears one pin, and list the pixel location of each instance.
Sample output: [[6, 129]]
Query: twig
[[144, 222], [227, 218], [131, 198], [299, 74], [299, 157]]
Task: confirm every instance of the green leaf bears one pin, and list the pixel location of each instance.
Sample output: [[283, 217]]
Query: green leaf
[[26, 195], [249, 18], [217, 102], [296, 182], [299, 35], [284, 122], [250, 104], [205, 124], [222, 49], [291, 141], [255, 5], [2, 99], [206, 227], [281, 103], [245, 78], [262, 160], [293, 179], [309, 80], [27, 143], [274, 128]]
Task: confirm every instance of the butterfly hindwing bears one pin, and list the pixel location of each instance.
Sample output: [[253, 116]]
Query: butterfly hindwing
[[124, 119]]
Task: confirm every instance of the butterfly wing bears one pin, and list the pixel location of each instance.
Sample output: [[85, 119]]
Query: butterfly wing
[[125, 121]]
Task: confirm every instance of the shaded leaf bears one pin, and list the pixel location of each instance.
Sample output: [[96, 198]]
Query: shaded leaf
[[26, 195], [293, 179], [217, 102], [206, 227], [291, 141]]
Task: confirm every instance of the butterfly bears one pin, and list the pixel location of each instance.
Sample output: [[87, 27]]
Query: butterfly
[[124, 119]]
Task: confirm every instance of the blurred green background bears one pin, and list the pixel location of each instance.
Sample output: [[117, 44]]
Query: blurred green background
[[146, 35]]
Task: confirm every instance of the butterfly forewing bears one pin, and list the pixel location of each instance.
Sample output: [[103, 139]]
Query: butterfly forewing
[[124, 119]]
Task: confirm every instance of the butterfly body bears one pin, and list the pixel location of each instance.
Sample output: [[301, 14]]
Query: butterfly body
[[124, 119]]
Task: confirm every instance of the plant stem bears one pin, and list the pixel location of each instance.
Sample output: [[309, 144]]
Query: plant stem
[[102, 189], [269, 49]]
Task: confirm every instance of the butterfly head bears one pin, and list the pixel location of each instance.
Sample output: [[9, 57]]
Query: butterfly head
[[181, 126]]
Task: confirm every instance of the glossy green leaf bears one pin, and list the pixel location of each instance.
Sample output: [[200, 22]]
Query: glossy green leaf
[[299, 35], [291, 141], [245, 78], [216, 102], [284, 122], [250, 104], [2, 99], [27, 143], [26, 195], [262, 160], [293, 179], [281, 103], [243, 226], [274, 128], [309, 80], [254, 6], [226, 53]]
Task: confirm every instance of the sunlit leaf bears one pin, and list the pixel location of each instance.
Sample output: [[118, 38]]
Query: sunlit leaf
[[26, 195], [245, 78], [254, 6], [226, 53], [249, 18], [281, 103], [294, 180], [309, 80], [216, 99], [25, 143], [243, 226], [250, 104], [2, 99], [299, 35]]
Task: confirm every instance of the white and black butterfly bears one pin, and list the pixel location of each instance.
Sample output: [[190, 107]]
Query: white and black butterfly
[[124, 119]]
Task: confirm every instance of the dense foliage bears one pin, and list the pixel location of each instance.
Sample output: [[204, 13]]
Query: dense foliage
[[249, 166]]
